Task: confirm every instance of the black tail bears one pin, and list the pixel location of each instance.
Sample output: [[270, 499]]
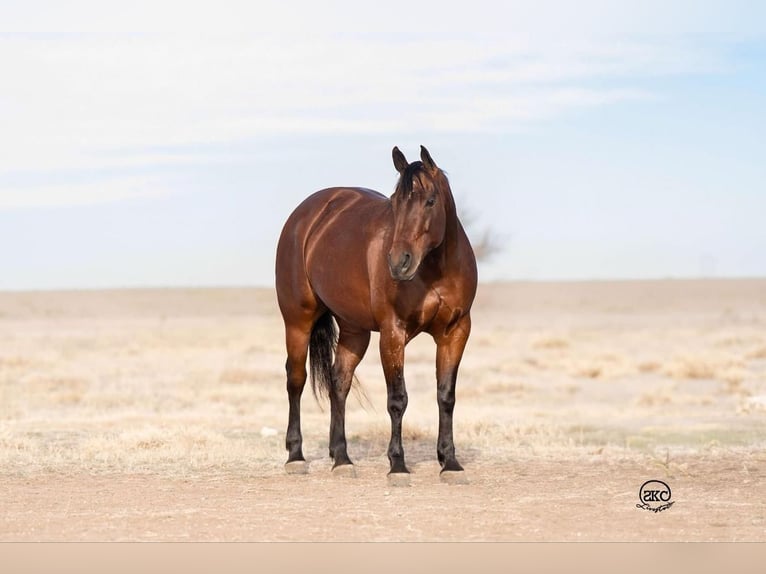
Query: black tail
[[324, 337]]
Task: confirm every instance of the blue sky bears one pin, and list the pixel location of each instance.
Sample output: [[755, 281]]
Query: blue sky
[[165, 143]]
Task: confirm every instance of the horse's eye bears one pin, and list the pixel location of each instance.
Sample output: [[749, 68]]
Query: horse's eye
[[430, 201]]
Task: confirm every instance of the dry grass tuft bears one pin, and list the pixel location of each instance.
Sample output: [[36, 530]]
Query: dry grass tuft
[[691, 368], [506, 387], [551, 343], [56, 390], [238, 376], [733, 376], [758, 353], [589, 371], [733, 340], [655, 398], [15, 361], [600, 367], [496, 438], [533, 362], [708, 367], [649, 367], [416, 432]]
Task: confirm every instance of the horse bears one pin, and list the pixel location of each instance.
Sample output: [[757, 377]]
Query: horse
[[400, 266]]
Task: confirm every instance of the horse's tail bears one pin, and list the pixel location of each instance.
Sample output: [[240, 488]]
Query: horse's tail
[[324, 337]]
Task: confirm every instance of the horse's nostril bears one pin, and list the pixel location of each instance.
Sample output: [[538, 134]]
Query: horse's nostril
[[400, 264], [406, 260]]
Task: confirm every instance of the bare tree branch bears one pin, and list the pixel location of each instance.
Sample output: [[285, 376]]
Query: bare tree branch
[[487, 246], [485, 242]]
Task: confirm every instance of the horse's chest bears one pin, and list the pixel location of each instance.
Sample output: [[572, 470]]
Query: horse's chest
[[421, 315], [431, 304]]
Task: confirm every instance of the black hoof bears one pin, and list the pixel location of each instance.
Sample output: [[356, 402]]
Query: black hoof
[[451, 465]]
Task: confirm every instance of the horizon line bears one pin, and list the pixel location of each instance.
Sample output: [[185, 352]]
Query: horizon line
[[490, 282]]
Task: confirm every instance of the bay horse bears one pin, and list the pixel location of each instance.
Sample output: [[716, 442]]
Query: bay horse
[[399, 266]]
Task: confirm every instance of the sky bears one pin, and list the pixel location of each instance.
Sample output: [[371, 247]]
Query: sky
[[164, 143]]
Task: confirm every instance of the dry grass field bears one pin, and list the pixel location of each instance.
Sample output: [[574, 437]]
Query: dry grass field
[[160, 415]]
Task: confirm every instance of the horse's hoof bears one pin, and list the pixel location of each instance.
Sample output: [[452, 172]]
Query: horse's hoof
[[399, 479], [297, 467], [453, 477], [344, 471]]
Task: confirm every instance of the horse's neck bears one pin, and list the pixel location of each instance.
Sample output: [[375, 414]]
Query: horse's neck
[[450, 245]]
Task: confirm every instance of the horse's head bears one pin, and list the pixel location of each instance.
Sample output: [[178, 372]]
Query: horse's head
[[420, 213]]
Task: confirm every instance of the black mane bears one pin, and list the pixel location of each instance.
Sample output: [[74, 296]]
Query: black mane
[[405, 181]]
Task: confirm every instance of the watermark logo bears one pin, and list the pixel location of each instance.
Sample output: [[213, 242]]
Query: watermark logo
[[655, 496]]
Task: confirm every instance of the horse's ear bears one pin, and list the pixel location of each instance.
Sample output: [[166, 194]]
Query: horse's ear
[[426, 158], [400, 162]]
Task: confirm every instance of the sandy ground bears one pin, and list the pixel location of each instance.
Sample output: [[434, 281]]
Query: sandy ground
[[160, 415]]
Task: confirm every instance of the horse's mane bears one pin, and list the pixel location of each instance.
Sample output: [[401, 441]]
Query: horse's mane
[[404, 186]]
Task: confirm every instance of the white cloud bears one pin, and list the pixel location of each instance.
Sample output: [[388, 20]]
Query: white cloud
[[84, 80]]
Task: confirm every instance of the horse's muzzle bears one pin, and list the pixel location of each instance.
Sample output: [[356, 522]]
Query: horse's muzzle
[[402, 268]]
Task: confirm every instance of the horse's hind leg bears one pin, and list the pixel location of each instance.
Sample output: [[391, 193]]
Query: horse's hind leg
[[297, 342], [352, 346]]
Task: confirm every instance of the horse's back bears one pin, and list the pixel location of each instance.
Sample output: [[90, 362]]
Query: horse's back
[[338, 198], [324, 253], [319, 209]]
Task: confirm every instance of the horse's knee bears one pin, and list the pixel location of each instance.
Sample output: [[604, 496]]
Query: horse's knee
[[397, 403], [446, 399]]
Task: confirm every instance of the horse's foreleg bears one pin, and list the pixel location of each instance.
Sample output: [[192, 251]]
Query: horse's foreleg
[[351, 348], [392, 356], [449, 352]]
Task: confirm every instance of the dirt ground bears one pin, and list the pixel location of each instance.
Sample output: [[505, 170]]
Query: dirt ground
[[158, 415]]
